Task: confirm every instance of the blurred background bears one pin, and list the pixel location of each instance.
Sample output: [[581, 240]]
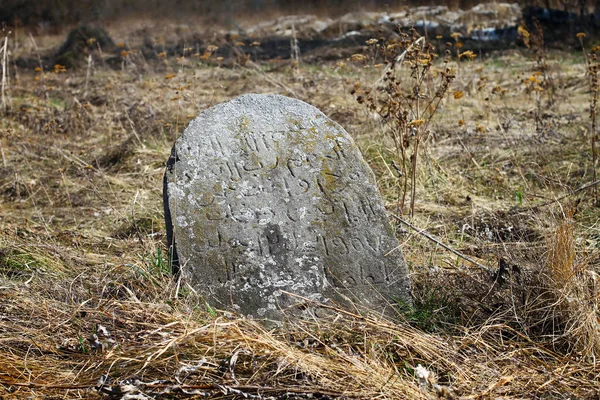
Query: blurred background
[[56, 13]]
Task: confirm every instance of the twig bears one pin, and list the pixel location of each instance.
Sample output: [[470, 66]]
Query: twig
[[74, 159], [39, 57], [87, 74], [295, 48], [137, 230], [4, 162], [325, 306], [368, 319], [579, 189], [5, 74], [445, 246], [33, 385]]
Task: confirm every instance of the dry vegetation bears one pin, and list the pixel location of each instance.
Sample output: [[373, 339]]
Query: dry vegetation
[[504, 175]]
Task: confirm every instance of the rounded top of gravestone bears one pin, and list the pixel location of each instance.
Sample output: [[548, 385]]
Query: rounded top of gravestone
[[268, 201]]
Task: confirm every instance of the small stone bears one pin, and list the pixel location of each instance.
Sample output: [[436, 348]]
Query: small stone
[[266, 195]]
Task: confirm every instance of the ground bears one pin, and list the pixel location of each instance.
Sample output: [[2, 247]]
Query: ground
[[505, 177]]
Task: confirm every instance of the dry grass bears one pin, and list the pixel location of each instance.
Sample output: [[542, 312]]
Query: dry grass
[[88, 308], [574, 288], [125, 327]]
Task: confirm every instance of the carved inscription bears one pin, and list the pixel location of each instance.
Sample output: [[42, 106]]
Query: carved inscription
[[258, 174], [295, 176]]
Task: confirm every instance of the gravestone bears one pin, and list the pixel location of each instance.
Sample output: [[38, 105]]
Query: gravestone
[[264, 196]]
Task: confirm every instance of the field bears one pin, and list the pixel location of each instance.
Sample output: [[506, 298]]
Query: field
[[504, 176]]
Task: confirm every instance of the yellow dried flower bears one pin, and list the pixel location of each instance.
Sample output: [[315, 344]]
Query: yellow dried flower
[[416, 122], [498, 90], [523, 32], [469, 54], [458, 95], [425, 59], [59, 68]]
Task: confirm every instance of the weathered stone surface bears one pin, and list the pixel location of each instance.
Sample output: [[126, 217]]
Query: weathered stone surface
[[265, 194]]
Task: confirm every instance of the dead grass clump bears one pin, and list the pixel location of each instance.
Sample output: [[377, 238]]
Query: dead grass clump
[[116, 155], [500, 226], [12, 185], [549, 294], [54, 118], [83, 41], [573, 294], [127, 330]]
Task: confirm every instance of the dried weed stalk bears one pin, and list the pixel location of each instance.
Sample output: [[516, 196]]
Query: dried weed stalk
[[407, 97], [540, 82], [5, 82], [593, 66]]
